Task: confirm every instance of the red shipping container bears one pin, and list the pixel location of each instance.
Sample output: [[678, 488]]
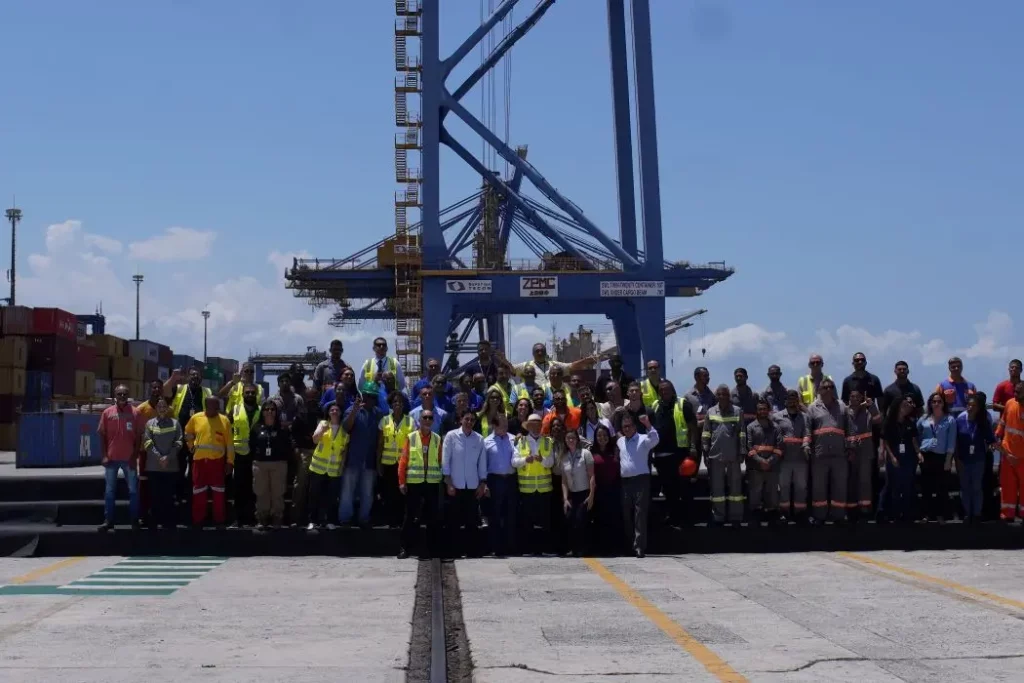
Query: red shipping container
[[10, 406], [166, 356], [54, 321], [16, 319], [85, 357], [55, 355]]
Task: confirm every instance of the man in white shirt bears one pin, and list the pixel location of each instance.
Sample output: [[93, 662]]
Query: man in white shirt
[[464, 466], [634, 455]]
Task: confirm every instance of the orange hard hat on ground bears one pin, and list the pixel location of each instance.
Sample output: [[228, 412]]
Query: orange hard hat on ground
[[688, 468]]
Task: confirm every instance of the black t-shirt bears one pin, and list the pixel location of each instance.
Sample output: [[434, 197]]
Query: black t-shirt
[[896, 432], [869, 385], [895, 393], [664, 421]]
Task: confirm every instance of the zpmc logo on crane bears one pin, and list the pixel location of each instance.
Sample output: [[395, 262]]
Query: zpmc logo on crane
[[539, 286]]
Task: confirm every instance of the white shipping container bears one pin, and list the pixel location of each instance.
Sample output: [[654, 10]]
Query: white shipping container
[[103, 389], [163, 374], [144, 350]]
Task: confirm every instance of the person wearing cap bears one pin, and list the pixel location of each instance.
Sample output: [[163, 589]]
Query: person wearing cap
[[533, 461], [362, 424]]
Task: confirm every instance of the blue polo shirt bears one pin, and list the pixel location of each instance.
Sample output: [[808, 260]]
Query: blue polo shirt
[[362, 444]]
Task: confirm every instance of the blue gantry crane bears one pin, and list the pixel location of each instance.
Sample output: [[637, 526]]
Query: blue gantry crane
[[449, 275]]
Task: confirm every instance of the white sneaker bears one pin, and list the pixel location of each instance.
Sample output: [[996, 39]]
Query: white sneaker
[[311, 527], [331, 527]]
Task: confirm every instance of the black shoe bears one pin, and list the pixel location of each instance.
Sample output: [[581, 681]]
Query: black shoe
[[402, 554], [106, 526], [136, 526], [639, 554], [365, 526]]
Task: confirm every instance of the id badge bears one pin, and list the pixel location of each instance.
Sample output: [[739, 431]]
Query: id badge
[[972, 449], [128, 426], [191, 413], [268, 451], [903, 448]]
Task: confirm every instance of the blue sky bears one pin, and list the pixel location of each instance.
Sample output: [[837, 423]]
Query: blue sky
[[858, 163]]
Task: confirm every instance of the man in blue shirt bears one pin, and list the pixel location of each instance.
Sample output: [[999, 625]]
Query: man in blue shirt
[[503, 487], [361, 423], [464, 466], [427, 403], [433, 369]]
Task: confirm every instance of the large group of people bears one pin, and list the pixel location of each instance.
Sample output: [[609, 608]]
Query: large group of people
[[547, 462]]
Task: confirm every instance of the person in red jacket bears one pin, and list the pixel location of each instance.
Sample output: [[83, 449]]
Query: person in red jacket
[[1011, 468], [1004, 390]]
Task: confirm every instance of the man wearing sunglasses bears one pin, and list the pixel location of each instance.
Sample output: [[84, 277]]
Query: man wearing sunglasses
[[120, 433], [808, 384]]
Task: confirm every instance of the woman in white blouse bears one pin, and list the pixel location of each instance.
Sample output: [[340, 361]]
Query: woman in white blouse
[[590, 420], [578, 487]]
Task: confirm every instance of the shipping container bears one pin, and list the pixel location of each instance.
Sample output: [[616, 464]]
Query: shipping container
[[126, 369], [211, 385], [104, 367], [9, 437], [143, 350], [139, 391], [13, 352], [85, 382], [183, 363], [102, 388], [12, 381], [109, 345], [164, 355], [15, 320], [54, 321], [39, 440], [85, 356], [214, 374], [149, 371], [163, 373], [10, 408], [80, 445], [39, 385]]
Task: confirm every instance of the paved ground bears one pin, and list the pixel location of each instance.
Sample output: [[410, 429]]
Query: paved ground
[[928, 616]]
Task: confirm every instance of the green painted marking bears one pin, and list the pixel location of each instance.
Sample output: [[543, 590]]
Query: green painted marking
[[127, 584], [26, 589], [117, 580], [146, 572]]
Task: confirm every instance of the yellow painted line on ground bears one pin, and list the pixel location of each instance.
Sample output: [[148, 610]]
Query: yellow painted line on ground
[[43, 571], [714, 664], [927, 578]]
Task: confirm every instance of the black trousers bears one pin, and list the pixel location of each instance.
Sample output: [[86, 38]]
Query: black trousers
[[934, 486], [390, 496], [990, 501], [576, 517], [461, 513], [422, 505], [607, 518], [559, 539], [242, 492], [501, 523], [671, 485], [323, 498], [535, 513], [162, 486]]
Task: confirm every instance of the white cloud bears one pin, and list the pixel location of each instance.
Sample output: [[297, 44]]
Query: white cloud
[[60, 235], [107, 244], [176, 244], [284, 260]]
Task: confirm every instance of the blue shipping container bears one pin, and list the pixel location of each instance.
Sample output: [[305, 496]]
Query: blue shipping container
[[39, 385], [39, 440], [81, 443]]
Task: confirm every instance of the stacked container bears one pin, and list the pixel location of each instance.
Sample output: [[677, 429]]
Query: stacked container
[[108, 348], [13, 357], [213, 378], [85, 368], [53, 348], [164, 361]]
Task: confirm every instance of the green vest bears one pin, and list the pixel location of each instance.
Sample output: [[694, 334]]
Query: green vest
[[416, 472], [235, 397], [370, 368], [682, 433], [179, 398], [650, 393], [805, 385], [329, 454], [240, 428], [395, 438], [533, 476]]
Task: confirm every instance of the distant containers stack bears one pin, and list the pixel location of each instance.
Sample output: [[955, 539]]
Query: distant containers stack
[[213, 378], [164, 362], [108, 348], [227, 366], [85, 368], [13, 357], [53, 348]]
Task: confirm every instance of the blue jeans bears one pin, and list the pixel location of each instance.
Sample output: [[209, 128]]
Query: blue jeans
[[971, 497], [131, 475], [351, 481], [501, 524]]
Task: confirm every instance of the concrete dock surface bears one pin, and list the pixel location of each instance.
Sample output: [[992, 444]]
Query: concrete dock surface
[[864, 617]]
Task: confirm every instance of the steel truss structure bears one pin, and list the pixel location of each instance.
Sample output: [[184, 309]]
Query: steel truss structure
[[449, 275]]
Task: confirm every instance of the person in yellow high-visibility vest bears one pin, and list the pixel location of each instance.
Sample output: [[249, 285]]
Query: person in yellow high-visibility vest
[[395, 428], [233, 391], [244, 416], [419, 479], [507, 389], [533, 461], [649, 386], [325, 468], [808, 384]]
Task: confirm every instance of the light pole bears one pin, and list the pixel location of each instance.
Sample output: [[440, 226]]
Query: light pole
[[206, 319], [137, 279], [14, 216]]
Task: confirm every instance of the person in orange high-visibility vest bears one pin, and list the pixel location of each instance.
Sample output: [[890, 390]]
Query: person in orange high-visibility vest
[[1010, 431]]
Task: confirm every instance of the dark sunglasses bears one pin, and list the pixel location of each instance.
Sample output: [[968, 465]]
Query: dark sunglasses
[[426, 417]]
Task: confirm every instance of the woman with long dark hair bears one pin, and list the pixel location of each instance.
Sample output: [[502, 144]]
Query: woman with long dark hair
[[900, 456], [557, 432], [271, 447], [578, 488], [608, 500], [975, 443], [590, 420], [936, 434]]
